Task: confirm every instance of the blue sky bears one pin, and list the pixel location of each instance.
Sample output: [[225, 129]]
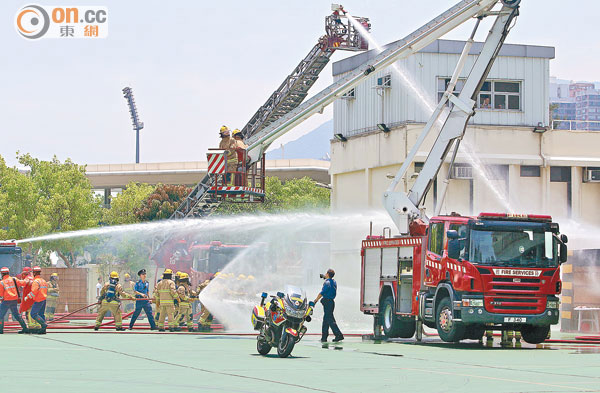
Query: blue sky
[[195, 65]]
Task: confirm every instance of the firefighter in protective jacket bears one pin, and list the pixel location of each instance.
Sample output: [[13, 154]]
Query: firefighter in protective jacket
[[186, 296], [166, 296], [53, 294], [110, 300]]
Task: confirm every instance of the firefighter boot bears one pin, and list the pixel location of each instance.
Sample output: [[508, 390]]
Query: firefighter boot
[[504, 342], [489, 338], [517, 339]]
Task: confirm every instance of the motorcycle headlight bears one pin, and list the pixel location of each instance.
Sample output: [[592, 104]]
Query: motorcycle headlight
[[295, 313]]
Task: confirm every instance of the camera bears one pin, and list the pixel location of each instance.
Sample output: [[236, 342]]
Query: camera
[[322, 276]]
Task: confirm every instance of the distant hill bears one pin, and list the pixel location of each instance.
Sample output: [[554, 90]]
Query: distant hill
[[315, 145]]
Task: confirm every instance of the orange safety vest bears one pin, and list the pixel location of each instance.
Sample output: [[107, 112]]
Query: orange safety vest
[[8, 289], [39, 290]]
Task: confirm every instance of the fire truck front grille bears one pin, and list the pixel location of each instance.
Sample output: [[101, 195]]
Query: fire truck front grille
[[512, 288], [515, 304]]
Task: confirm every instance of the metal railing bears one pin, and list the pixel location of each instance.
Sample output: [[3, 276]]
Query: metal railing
[[573, 125]]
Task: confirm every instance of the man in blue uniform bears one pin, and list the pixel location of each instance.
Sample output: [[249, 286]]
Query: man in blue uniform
[[142, 290], [327, 297]]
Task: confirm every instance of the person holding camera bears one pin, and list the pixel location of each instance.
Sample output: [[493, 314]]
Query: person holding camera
[[327, 297]]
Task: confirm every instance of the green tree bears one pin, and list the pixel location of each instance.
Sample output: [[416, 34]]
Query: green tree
[[21, 215], [161, 203], [66, 201], [292, 195], [123, 207]]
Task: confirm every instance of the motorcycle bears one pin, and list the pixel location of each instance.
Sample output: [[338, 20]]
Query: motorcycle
[[280, 321]]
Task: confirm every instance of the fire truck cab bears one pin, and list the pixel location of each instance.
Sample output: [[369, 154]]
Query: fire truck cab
[[11, 257], [465, 276]]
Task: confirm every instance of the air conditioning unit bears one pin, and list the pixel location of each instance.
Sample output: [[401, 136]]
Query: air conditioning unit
[[591, 175], [385, 81], [463, 172]]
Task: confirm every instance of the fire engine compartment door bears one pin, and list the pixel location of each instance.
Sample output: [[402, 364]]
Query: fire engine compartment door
[[405, 279], [372, 271]]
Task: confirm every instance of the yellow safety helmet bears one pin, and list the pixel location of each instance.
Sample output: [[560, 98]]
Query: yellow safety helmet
[[236, 132], [241, 277], [114, 274], [178, 274], [54, 275], [183, 276], [223, 129], [250, 277], [127, 275], [168, 271]]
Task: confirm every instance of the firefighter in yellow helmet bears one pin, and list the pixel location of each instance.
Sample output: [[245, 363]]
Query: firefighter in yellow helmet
[[186, 297], [228, 144], [110, 301], [166, 296], [128, 286], [52, 299], [176, 300]]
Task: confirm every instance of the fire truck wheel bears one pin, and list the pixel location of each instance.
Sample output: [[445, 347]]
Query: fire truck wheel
[[448, 329], [389, 322], [535, 334]]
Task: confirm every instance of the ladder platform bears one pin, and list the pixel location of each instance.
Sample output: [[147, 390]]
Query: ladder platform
[[236, 190]]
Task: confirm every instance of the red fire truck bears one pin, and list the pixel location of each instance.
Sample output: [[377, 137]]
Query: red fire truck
[[461, 275], [201, 261], [466, 275]]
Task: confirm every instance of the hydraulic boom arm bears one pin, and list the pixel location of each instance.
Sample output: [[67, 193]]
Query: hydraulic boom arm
[[404, 208]]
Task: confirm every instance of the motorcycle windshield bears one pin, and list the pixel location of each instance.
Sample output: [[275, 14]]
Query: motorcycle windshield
[[295, 297]]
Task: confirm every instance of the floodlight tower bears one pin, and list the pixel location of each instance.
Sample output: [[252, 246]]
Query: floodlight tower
[[137, 124]]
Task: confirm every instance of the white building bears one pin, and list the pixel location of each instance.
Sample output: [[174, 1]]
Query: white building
[[511, 160]]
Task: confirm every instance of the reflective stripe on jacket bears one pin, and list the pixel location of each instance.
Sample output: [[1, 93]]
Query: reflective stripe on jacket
[[39, 290], [8, 290]]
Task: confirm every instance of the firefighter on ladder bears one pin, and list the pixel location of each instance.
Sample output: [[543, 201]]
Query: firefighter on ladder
[[229, 145], [240, 151], [166, 295], [110, 301], [186, 296], [52, 299]]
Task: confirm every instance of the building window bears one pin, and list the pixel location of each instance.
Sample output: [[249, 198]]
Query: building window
[[436, 238], [385, 81], [419, 167], [530, 171], [350, 95], [560, 174], [494, 94]]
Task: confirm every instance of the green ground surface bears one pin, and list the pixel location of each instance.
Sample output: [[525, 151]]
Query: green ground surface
[[149, 362]]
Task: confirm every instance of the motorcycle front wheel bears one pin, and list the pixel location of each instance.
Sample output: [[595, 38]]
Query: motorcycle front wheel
[[285, 346], [262, 347]]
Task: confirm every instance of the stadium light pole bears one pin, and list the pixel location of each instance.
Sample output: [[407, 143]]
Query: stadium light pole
[[137, 124]]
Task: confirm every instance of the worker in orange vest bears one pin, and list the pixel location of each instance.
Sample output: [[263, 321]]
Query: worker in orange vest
[[9, 294], [39, 293]]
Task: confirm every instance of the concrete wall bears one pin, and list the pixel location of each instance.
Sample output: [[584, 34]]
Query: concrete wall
[[360, 169]]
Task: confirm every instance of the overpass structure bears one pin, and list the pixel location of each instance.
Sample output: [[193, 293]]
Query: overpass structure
[[107, 178]]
